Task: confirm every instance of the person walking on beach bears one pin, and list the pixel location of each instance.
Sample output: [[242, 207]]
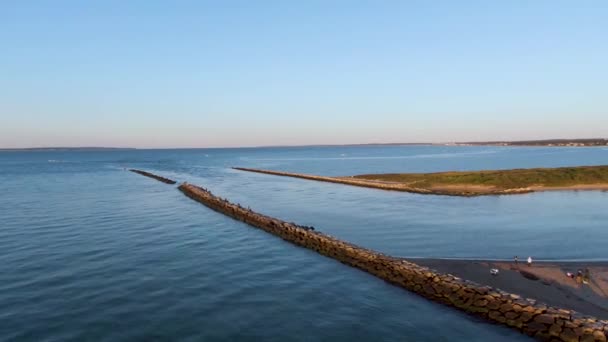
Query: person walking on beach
[[516, 259], [529, 261]]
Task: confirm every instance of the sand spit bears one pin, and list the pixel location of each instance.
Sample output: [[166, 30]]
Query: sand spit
[[464, 190], [394, 186]]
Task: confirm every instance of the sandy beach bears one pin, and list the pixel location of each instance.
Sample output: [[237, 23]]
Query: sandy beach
[[546, 282]]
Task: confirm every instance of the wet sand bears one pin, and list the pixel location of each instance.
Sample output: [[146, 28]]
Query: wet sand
[[546, 282]]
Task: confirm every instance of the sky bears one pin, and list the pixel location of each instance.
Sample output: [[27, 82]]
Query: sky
[[153, 74]]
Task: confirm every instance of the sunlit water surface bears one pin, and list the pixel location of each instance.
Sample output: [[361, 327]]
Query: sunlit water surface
[[92, 252]]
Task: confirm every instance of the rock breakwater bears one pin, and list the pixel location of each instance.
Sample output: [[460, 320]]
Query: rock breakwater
[[151, 175], [525, 315]]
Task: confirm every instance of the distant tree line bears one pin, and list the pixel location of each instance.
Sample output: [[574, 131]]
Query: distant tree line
[[548, 142]]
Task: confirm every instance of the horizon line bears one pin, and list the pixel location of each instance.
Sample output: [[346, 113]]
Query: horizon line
[[449, 143]]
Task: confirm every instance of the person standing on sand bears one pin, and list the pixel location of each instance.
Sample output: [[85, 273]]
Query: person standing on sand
[[529, 261], [516, 259], [586, 276]]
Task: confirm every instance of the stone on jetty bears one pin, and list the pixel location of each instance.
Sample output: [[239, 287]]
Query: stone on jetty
[[525, 315], [151, 175]]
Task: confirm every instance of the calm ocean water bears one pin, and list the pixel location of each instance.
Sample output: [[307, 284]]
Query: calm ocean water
[[92, 252]]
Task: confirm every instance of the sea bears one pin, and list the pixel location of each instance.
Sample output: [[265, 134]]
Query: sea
[[92, 252]]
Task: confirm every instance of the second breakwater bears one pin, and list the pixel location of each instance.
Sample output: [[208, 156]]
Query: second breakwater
[[525, 315], [153, 176]]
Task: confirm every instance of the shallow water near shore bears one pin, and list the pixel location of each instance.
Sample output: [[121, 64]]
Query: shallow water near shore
[[91, 251]]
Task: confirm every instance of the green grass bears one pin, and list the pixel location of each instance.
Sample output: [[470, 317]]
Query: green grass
[[502, 179]]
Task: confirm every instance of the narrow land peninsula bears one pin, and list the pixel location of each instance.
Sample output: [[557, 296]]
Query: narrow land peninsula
[[473, 183]]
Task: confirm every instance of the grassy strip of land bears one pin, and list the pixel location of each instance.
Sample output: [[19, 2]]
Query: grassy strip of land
[[473, 183], [534, 179]]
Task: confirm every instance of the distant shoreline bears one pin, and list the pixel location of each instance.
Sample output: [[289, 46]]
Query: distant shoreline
[[51, 149], [595, 142], [546, 142]]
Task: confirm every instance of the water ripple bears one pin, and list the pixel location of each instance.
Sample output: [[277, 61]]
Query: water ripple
[[91, 252]]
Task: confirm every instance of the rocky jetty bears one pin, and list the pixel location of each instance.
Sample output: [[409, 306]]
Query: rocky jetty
[[528, 316], [151, 175], [387, 185]]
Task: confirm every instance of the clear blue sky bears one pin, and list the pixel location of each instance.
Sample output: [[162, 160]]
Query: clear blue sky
[[247, 73]]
